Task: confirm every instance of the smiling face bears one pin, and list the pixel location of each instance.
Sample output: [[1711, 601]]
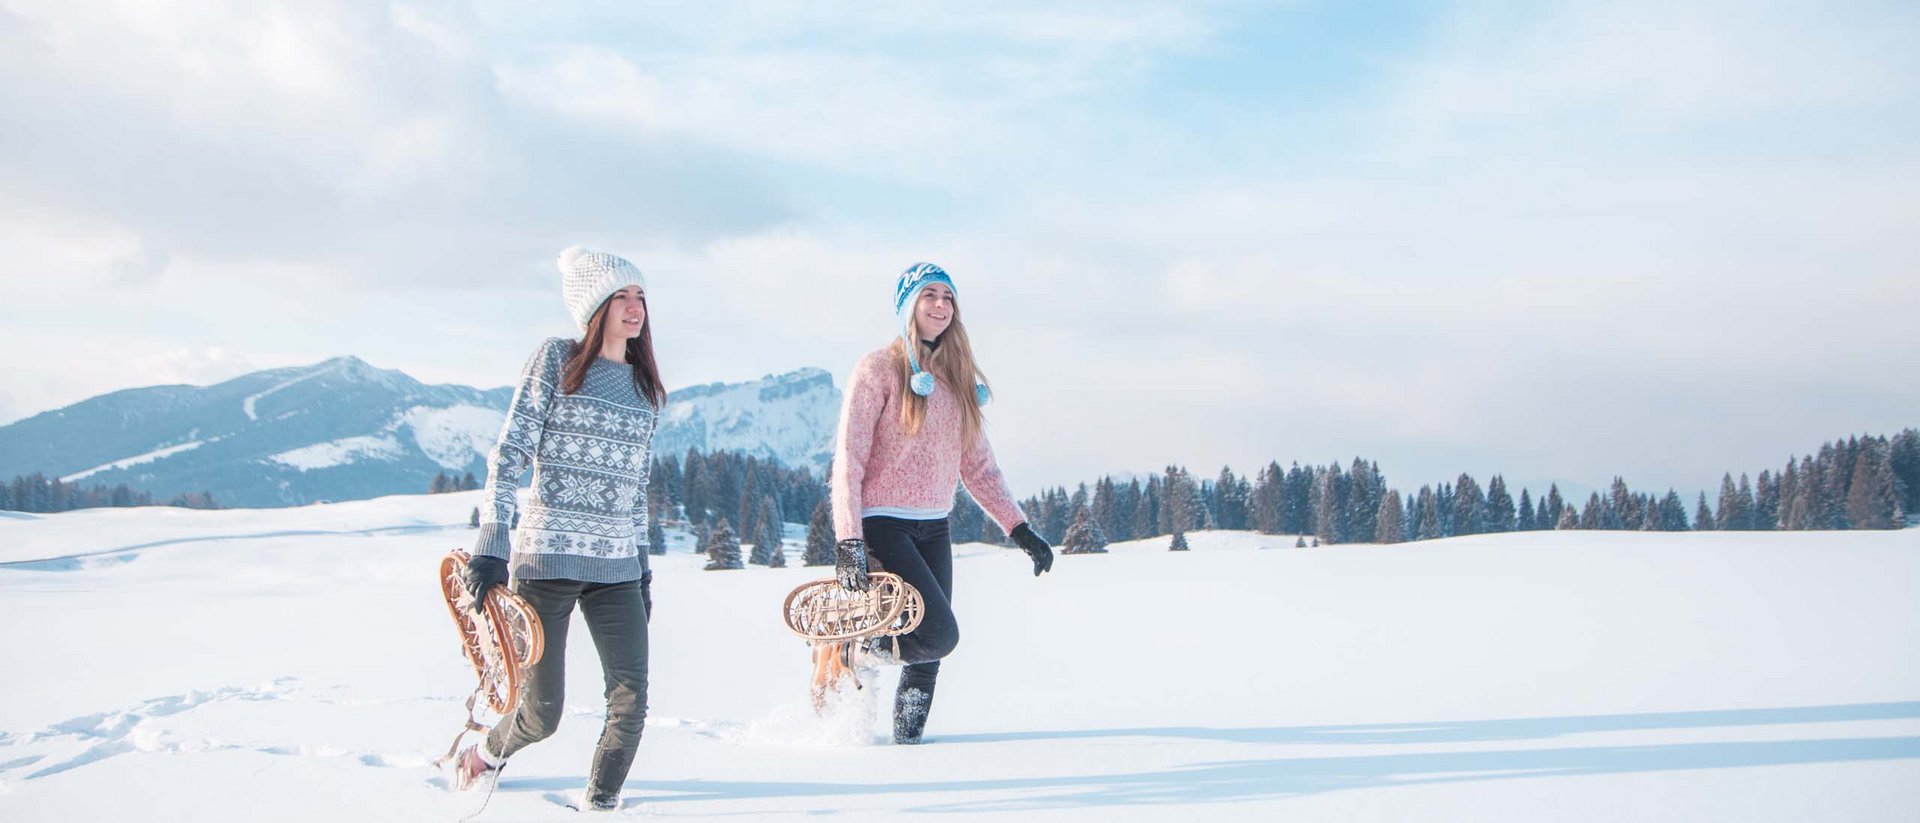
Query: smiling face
[[933, 310], [626, 314]]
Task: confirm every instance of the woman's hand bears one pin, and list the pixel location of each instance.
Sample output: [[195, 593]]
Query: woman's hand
[[483, 573], [850, 564], [1035, 546]]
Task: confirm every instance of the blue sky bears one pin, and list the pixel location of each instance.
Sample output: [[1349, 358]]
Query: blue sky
[[1560, 241]]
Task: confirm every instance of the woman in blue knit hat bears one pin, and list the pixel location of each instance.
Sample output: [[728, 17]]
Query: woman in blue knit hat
[[582, 418], [911, 430]]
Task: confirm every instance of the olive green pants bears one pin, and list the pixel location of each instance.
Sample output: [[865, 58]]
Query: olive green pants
[[617, 618]]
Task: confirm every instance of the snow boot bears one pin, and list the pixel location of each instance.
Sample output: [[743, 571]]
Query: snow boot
[[910, 705], [880, 650], [598, 802], [470, 767]]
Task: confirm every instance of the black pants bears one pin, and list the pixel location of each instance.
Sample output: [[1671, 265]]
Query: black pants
[[617, 618], [921, 552]]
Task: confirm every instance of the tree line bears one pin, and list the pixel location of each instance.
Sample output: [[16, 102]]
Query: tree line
[[1861, 482], [40, 494]]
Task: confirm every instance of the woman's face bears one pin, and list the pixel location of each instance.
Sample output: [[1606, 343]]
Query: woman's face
[[626, 313], [933, 310]]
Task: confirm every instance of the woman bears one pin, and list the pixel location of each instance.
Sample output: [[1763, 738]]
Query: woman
[[907, 435], [583, 417]]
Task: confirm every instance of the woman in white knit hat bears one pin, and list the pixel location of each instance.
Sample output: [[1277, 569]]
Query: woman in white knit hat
[[582, 419]]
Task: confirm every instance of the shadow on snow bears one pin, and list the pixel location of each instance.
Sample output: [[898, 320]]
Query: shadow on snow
[[1281, 777]]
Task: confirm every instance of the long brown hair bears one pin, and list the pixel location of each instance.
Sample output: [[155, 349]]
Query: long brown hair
[[953, 366], [646, 373]]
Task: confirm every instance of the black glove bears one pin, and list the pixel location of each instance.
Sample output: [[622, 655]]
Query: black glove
[[850, 564], [484, 573], [646, 592], [1035, 546]]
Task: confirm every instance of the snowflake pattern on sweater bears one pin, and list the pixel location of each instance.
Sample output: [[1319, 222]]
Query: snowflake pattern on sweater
[[876, 465], [590, 452]]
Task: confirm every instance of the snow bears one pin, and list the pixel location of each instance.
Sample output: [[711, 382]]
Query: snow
[[138, 459], [454, 436], [295, 664], [786, 416], [340, 452], [450, 436], [247, 405]]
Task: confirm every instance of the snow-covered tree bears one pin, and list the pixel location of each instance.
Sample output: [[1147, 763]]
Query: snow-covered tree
[[1389, 528], [820, 540], [1084, 535], [723, 548]]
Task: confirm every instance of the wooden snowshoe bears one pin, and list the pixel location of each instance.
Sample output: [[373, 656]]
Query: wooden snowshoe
[[835, 620], [502, 642]]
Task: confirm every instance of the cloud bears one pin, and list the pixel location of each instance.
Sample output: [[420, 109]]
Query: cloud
[[1558, 241], [195, 366]]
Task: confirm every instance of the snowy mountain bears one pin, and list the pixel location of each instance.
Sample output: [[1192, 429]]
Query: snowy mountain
[[344, 430], [789, 417]]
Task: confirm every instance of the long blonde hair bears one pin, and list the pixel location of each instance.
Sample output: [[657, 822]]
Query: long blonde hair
[[952, 365]]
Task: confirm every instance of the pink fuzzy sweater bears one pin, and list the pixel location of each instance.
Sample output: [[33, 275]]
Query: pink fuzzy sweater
[[879, 469]]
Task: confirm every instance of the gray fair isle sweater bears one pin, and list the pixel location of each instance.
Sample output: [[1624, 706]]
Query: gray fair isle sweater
[[586, 516]]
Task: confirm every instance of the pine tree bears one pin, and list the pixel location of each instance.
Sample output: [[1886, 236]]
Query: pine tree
[[1101, 507], [473, 520], [1703, 519], [1179, 541], [1232, 493], [1524, 522], [1366, 490], [1300, 542], [1617, 509], [1500, 515], [1729, 515], [468, 483], [1871, 502], [656, 536], [1555, 506], [820, 540], [1785, 490], [1567, 520], [1594, 514], [723, 549], [965, 524], [772, 532], [1125, 500], [1267, 499], [1649, 517], [1673, 512], [1182, 506], [1147, 509], [1084, 535], [1903, 458], [439, 485], [1429, 527], [1748, 520], [1296, 501], [1389, 528], [992, 535], [1469, 506], [1766, 503]]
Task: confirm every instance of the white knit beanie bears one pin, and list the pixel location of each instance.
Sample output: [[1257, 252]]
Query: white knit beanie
[[588, 278]]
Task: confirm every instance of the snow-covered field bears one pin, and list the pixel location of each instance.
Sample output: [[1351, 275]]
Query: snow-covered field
[[296, 664]]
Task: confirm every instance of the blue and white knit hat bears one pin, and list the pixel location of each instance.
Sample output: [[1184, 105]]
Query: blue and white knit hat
[[906, 293], [588, 278]]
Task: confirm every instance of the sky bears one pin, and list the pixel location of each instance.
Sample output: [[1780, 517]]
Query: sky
[[1560, 242]]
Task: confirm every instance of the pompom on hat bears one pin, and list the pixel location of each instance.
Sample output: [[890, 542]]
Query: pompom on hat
[[906, 293], [588, 278]]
